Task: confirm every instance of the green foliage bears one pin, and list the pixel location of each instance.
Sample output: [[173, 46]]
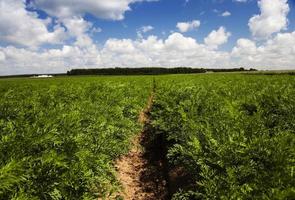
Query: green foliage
[[233, 134], [59, 138]]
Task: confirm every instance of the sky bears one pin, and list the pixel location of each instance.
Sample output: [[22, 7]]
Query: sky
[[53, 36]]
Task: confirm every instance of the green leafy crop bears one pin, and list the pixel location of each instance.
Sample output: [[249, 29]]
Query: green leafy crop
[[59, 138], [233, 135]]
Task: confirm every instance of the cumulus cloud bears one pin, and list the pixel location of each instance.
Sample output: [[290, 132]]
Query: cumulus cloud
[[21, 27], [175, 50], [19, 60], [217, 38], [110, 9], [2, 56], [244, 47], [226, 14], [78, 28], [144, 29], [272, 19], [275, 53], [188, 26]]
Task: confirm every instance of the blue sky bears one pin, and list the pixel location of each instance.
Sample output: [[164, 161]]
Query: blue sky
[[42, 36], [163, 15]]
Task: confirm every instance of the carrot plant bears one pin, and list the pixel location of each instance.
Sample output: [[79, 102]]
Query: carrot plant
[[226, 136], [59, 138], [231, 136]]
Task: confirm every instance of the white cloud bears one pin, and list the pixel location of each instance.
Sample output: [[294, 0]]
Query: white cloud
[[188, 26], [147, 28], [96, 30], [110, 9], [144, 29], [273, 18], [24, 28], [19, 60], [78, 28], [77, 25], [177, 41], [2, 56], [120, 46], [275, 53], [174, 51], [21, 27], [217, 38], [244, 47], [226, 14]]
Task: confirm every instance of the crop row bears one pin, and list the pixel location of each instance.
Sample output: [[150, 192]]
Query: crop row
[[227, 136], [59, 138]]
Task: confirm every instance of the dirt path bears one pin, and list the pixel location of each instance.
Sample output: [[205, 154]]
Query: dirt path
[[139, 173]]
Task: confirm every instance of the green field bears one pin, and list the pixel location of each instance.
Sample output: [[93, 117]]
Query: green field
[[60, 136], [231, 135]]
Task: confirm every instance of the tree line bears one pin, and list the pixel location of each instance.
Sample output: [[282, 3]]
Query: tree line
[[149, 71]]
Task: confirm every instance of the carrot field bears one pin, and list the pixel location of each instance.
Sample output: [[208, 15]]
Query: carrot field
[[227, 136], [220, 136]]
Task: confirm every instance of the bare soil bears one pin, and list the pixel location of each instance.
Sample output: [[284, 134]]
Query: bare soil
[[140, 172]]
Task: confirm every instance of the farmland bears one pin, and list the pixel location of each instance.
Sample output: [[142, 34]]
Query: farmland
[[227, 136], [221, 136], [59, 137]]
